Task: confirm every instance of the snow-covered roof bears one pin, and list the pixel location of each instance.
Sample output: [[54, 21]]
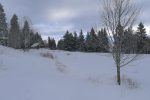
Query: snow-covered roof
[[35, 45]]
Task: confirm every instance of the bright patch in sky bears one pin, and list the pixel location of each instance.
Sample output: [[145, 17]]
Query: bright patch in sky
[[61, 14], [148, 30], [146, 27]]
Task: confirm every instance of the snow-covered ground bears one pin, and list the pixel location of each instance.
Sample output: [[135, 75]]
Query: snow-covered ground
[[57, 75]]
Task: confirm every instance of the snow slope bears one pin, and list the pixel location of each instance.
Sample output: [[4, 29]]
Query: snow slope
[[57, 75]]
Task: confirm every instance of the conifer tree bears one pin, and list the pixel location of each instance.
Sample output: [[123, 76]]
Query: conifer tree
[[129, 44], [68, 41], [75, 39], [93, 40], [101, 45], [49, 43], [53, 44], [15, 34], [103, 41], [26, 36], [141, 36], [81, 42], [60, 45], [37, 38], [3, 27], [88, 43], [147, 46], [32, 38]]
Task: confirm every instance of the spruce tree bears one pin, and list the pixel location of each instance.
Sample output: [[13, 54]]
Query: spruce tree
[[49, 43], [14, 34], [93, 40], [88, 43], [3, 27], [37, 38], [75, 39], [68, 41], [53, 44], [100, 40], [60, 45], [103, 43], [147, 46], [26, 35], [32, 38], [129, 43], [141, 36], [81, 42]]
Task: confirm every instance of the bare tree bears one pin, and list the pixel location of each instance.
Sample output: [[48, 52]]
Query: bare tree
[[117, 16]]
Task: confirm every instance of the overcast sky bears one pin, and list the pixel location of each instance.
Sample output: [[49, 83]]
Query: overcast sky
[[54, 17]]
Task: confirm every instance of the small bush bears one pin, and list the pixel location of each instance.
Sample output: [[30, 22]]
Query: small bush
[[47, 55]]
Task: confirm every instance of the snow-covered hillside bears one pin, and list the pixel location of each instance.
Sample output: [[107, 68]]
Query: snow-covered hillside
[[57, 75]]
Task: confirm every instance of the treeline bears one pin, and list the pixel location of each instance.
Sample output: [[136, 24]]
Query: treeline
[[15, 36], [24, 37], [133, 41], [92, 42]]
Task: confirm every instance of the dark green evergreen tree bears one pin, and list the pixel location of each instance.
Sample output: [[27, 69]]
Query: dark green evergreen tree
[[53, 44], [81, 42], [26, 36], [147, 46], [68, 41], [3, 27], [141, 36], [37, 38], [75, 42], [32, 38], [60, 45], [103, 43], [14, 34], [88, 43], [49, 43], [91, 41], [129, 42]]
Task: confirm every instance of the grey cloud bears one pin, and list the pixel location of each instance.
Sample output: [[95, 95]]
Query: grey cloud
[[54, 17]]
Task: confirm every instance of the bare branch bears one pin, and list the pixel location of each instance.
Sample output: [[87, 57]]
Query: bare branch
[[117, 16]]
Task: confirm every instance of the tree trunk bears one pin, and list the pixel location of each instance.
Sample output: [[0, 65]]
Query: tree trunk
[[118, 74]]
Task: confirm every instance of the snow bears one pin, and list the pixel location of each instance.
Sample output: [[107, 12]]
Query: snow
[[35, 45], [59, 75]]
